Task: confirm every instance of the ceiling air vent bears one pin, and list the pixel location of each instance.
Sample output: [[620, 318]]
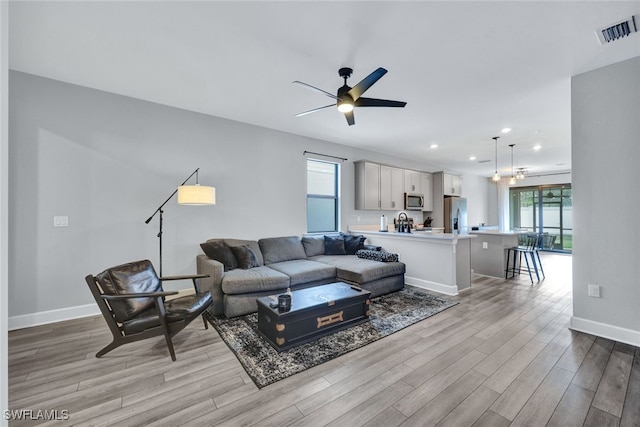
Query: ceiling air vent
[[619, 30]]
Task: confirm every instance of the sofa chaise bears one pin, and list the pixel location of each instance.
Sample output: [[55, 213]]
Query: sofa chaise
[[242, 270]]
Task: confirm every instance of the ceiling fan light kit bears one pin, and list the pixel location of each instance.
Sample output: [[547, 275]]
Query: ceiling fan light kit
[[349, 97]]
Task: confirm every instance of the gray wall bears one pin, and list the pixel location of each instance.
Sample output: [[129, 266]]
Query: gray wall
[[108, 161], [605, 157], [4, 200]]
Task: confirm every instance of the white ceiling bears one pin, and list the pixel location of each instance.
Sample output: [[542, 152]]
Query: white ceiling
[[465, 69]]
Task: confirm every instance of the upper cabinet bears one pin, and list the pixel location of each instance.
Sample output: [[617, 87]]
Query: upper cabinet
[[382, 187], [452, 185], [427, 189], [367, 194], [391, 188], [412, 182], [378, 187]]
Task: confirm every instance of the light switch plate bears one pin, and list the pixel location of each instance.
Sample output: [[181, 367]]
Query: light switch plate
[[485, 245], [594, 291]]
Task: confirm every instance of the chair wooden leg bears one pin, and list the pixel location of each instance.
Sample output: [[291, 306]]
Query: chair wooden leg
[[165, 326], [114, 344], [206, 324], [170, 346], [167, 338]]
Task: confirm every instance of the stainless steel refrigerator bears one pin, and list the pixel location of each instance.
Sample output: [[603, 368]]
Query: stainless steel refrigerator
[[455, 215]]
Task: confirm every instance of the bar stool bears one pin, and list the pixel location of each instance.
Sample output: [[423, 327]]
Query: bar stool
[[529, 250], [536, 250]]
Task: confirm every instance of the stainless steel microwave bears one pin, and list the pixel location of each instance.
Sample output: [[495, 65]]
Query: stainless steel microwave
[[413, 201]]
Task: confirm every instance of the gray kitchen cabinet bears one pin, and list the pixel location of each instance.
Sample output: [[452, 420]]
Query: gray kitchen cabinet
[[412, 182], [427, 190], [391, 188], [452, 185], [367, 191], [378, 187]]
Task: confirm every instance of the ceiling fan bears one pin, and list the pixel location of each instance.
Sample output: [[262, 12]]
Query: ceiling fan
[[349, 97]]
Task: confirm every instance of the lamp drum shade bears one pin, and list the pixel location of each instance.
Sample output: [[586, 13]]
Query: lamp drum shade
[[196, 195]]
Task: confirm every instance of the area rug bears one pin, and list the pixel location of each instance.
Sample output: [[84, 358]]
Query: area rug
[[388, 314]]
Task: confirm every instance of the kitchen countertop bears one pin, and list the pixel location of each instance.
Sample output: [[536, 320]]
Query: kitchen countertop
[[415, 234], [496, 232]]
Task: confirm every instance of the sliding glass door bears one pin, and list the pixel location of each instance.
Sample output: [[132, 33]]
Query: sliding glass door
[[544, 209]]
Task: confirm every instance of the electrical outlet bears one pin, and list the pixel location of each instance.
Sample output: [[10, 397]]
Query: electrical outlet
[[60, 221], [485, 245], [594, 291]]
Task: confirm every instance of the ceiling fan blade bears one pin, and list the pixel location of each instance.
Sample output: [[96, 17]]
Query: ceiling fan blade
[[366, 83], [350, 119], [315, 89], [372, 102], [314, 110]]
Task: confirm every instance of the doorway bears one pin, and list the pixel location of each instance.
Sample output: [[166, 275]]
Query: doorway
[[546, 209]]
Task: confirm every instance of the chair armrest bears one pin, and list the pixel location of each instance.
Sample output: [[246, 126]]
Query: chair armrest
[[139, 295], [193, 276]]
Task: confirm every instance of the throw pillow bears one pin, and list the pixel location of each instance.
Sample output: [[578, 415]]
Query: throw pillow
[[334, 245], [377, 255], [221, 252], [245, 256], [353, 243], [313, 245]]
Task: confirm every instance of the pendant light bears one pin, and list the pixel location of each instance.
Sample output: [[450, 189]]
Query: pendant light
[[496, 176], [512, 180]]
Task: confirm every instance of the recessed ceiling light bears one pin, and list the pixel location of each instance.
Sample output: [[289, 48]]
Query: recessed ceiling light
[[433, 146], [472, 157], [506, 130], [537, 147]]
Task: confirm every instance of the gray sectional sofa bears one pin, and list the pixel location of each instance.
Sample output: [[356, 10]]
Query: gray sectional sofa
[[242, 270]]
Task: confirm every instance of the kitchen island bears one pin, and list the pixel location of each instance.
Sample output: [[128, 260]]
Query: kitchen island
[[488, 251], [439, 262]]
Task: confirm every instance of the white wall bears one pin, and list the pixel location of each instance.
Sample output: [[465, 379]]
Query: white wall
[[108, 161], [605, 157], [4, 200]]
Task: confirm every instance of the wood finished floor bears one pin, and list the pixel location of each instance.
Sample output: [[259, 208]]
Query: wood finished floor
[[503, 356]]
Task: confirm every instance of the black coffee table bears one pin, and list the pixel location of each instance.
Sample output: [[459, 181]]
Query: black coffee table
[[315, 312]]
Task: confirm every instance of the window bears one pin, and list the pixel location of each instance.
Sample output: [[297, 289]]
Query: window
[[322, 196]]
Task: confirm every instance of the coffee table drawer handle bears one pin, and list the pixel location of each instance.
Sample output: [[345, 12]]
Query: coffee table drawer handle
[[327, 320]]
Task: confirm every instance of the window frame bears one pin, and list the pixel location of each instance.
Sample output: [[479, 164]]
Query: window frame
[[335, 197]]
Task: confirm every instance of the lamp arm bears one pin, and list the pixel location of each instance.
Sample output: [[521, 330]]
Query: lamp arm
[[169, 198]]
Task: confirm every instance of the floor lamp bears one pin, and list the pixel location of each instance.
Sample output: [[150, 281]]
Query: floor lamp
[[196, 195]]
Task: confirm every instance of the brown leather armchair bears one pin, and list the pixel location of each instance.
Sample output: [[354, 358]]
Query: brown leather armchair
[[133, 304]]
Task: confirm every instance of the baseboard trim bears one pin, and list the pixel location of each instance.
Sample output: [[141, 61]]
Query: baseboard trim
[[616, 333], [51, 316], [431, 286]]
